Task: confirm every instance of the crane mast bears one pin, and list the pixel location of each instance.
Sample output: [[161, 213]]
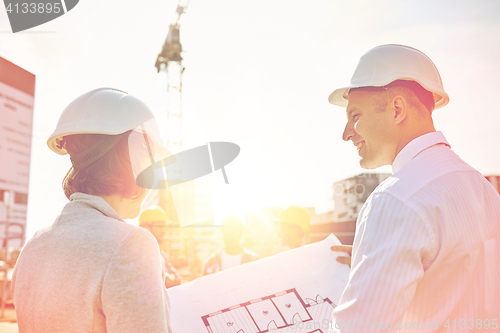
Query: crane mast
[[169, 60], [194, 201]]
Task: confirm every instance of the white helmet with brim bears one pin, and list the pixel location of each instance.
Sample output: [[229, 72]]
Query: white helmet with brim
[[385, 64], [115, 114]]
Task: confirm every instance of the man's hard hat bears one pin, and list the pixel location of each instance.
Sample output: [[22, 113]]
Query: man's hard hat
[[152, 214], [296, 215], [387, 63], [102, 111]]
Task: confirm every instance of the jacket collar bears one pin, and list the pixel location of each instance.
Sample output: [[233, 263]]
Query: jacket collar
[[95, 202]]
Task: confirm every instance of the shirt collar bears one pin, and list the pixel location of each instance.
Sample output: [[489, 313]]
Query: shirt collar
[[417, 145]]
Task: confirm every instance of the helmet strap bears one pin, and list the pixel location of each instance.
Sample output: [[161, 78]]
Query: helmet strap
[[96, 151]]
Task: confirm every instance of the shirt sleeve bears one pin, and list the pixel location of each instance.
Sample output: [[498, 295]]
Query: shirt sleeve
[[390, 245], [134, 298]]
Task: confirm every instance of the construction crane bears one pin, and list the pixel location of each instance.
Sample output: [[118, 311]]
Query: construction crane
[[194, 199], [169, 60], [172, 47]]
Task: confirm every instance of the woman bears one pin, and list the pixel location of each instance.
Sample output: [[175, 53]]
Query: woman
[[90, 271]]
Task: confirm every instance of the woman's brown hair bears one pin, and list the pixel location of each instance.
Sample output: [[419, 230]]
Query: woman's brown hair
[[110, 174]]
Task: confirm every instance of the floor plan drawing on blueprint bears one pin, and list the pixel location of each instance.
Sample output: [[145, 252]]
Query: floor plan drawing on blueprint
[[272, 313], [295, 291]]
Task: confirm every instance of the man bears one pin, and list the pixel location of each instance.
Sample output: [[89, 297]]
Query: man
[[294, 226], [426, 252], [262, 237], [233, 254], [154, 219]]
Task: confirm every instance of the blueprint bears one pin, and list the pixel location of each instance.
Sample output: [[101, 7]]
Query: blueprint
[[273, 313], [293, 291]]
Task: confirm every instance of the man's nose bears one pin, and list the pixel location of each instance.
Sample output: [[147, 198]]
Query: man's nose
[[348, 132]]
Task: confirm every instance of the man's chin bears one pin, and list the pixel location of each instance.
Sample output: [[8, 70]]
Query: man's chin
[[369, 165]]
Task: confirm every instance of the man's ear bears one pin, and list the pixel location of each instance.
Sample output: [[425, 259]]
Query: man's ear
[[399, 108]]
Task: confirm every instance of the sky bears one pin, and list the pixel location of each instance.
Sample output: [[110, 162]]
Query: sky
[[258, 73]]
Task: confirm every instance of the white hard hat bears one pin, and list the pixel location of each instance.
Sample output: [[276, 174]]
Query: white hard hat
[[387, 63], [103, 111], [115, 114]]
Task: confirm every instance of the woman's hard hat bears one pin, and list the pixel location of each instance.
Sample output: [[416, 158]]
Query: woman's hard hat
[[115, 114], [102, 111], [387, 63]]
